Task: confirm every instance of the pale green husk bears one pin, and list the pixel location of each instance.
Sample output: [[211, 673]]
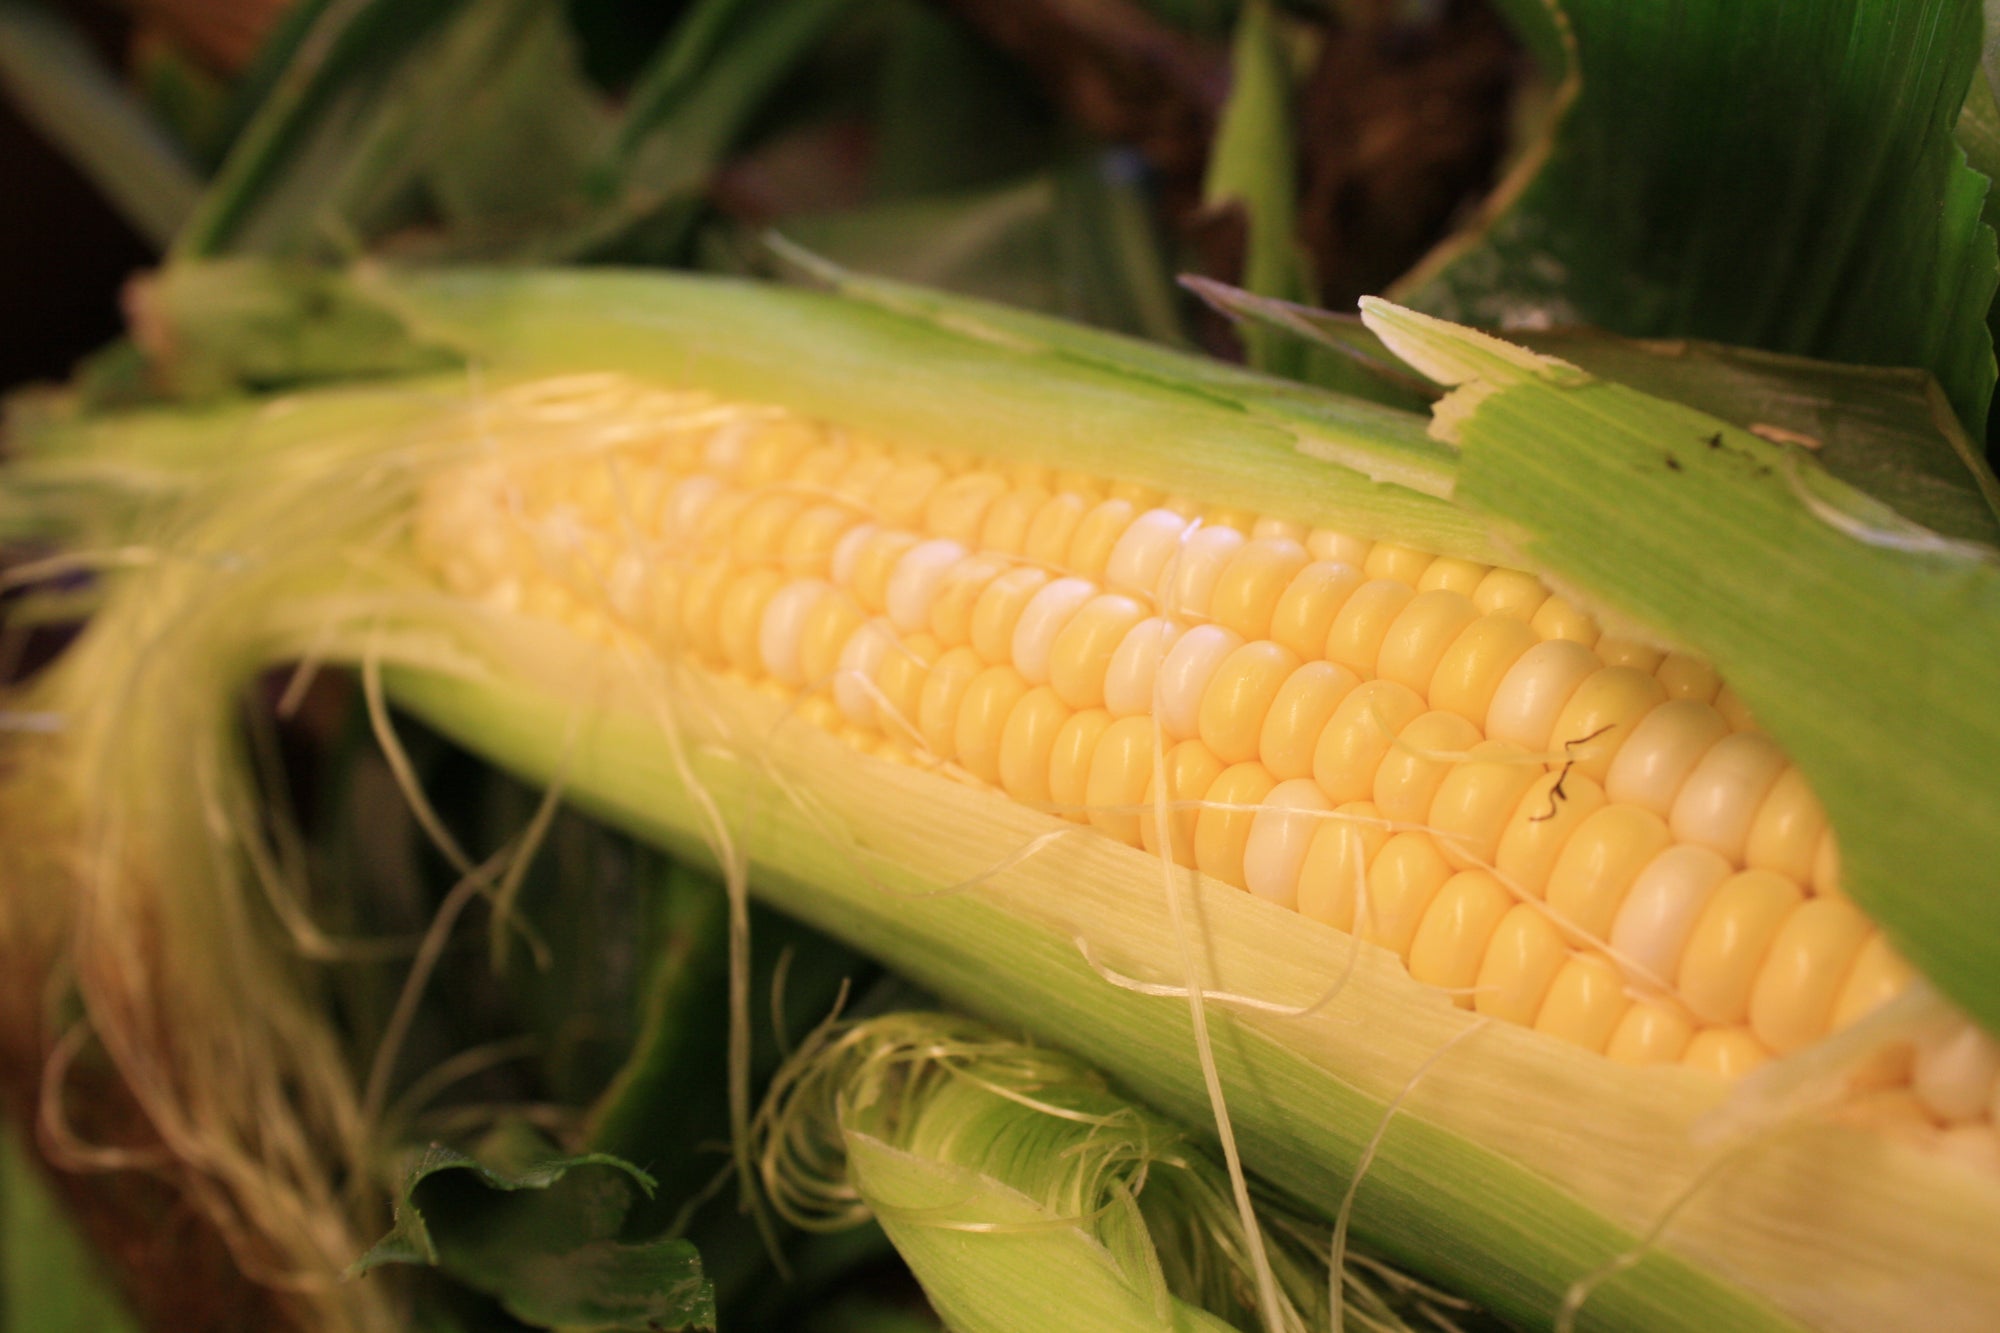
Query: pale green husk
[[1513, 1169]]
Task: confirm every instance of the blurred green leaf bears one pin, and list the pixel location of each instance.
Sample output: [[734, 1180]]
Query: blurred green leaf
[[50, 1282], [1780, 176], [952, 114]]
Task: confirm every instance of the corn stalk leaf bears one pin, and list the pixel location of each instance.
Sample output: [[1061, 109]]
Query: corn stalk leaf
[[1787, 180], [50, 1281]]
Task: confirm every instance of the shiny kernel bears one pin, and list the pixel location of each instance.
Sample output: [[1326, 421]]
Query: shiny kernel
[[1249, 587], [1510, 592], [1546, 817], [1724, 1052], [1221, 836], [1585, 1002], [807, 546], [1358, 632], [1142, 552], [1476, 799], [1659, 913], [1600, 716], [1054, 524], [1279, 838], [982, 720], [1521, 964], [1878, 975], [1028, 744], [1045, 616], [1338, 547], [1095, 537], [914, 582], [1187, 583], [1005, 530], [1239, 698], [1451, 943], [1081, 654], [1403, 564], [1361, 732], [781, 633], [861, 658], [1402, 880], [827, 628], [1135, 666], [1663, 751], [1792, 1002], [846, 553], [1534, 692], [1785, 833], [1334, 875], [1306, 609], [958, 594], [901, 680], [1558, 619], [999, 608], [1730, 942], [1425, 752], [1597, 867], [874, 563], [957, 510], [1121, 768], [1303, 706], [1190, 770], [1615, 651], [1469, 674], [1184, 676], [1420, 634], [1652, 1032], [1450, 574], [1718, 803], [1069, 761], [1684, 676], [943, 698]]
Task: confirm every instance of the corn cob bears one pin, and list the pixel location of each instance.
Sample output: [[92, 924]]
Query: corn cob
[[665, 706]]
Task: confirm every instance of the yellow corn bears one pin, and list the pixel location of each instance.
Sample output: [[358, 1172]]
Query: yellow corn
[[1564, 829]]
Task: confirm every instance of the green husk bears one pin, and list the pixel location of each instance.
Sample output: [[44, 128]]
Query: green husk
[[1506, 1166]]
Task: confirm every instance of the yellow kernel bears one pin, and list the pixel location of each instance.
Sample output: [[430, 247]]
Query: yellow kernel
[[1510, 592], [1557, 619], [1792, 1002], [958, 595], [701, 602], [1239, 698], [1279, 837], [820, 467], [1545, 818], [760, 527], [1585, 1002], [777, 449], [1661, 908], [1005, 530], [739, 620], [998, 611], [1731, 941], [1249, 587], [982, 720], [1475, 801], [1718, 803], [1091, 545], [1684, 676], [1053, 525], [1355, 641], [1237, 520], [1028, 745], [1877, 976], [1426, 750], [1135, 666], [1651, 1032], [1190, 770], [943, 698], [958, 508], [1268, 526], [1121, 768], [1402, 880], [1304, 614], [1045, 617], [1418, 637], [905, 490], [1826, 864], [1082, 652], [1597, 867], [1137, 494], [1299, 713], [1451, 943], [1187, 583], [1734, 711], [781, 631], [1725, 1052], [828, 626], [1954, 1071], [1091, 487], [1221, 835], [1521, 964], [874, 563], [1600, 716], [1362, 730], [1532, 695], [901, 681], [1338, 547], [1069, 761], [1404, 564], [1451, 574], [806, 549], [818, 710], [1142, 553], [1468, 676], [1785, 833], [1334, 874], [1662, 752], [866, 469], [1615, 651]]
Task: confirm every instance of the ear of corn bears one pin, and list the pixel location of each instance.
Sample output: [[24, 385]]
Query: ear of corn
[[293, 541]]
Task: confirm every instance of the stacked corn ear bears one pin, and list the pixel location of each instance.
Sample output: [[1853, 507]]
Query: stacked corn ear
[[1016, 655]]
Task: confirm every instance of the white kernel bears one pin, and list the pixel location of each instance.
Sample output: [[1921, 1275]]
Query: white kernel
[[1720, 799], [1128, 681], [1660, 910], [1190, 664], [854, 680], [914, 583], [1531, 695], [680, 515], [1279, 836], [847, 551], [1187, 582], [1041, 620], [1142, 553], [782, 629], [1661, 752]]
